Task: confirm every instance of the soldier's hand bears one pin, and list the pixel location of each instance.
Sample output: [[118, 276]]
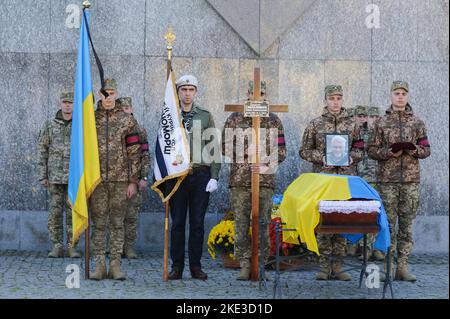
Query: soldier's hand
[[412, 152], [398, 154], [260, 169], [142, 185], [44, 182], [324, 162], [132, 190], [350, 162]]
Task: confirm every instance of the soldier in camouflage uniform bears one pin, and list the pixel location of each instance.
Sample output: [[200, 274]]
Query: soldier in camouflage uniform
[[119, 152], [236, 129], [134, 203], [334, 119], [367, 169], [350, 111], [53, 172], [399, 171]]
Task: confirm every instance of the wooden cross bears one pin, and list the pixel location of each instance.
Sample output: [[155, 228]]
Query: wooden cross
[[256, 122]]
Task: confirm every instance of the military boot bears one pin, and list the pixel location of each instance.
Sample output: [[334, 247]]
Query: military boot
[[114, 270], [72, 253], [369, 254], [403, 274], [57, 252], [337, 272], [129, 252], [323, 273], [244, 274], [100, 269], [378, 255], [351, 250]]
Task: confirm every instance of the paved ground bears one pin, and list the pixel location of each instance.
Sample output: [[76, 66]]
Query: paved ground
[[32, 275]]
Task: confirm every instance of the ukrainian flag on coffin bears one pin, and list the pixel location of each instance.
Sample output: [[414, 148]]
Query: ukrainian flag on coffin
[[84, 167], [300, 206]]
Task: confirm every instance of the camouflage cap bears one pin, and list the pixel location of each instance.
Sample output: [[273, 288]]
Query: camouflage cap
[[373, 111], [399, 85], [333, 89], [125, 101], [350, 111], [66, 97], [361, 110], [110, 84], [251, 86]]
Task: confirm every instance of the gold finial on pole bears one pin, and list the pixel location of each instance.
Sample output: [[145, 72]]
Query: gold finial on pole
[[86, 4], [170, 39]]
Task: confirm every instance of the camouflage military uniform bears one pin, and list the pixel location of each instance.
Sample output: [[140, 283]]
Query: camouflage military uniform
[[399, 178], [367, 168], [313, 142], [240, 177], [53, 164], [350, 111], [134, 203], [313, 150], [119, 152]]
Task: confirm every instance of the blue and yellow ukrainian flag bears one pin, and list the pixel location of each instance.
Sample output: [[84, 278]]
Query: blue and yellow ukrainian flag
[[84, 168], [300, 207]]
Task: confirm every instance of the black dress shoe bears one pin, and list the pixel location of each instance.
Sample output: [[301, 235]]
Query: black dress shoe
[[197, 273], [176, 274]]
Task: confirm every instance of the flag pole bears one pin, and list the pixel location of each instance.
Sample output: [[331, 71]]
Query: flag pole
[[86, 5], [86, 251], [170, 38]]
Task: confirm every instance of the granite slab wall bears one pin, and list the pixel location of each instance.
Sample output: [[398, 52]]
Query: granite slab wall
[[328, 43]]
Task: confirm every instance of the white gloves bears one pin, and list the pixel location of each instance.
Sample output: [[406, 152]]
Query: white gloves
[[212, 185]]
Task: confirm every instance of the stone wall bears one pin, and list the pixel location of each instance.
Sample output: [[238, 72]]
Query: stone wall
[[328, 43]]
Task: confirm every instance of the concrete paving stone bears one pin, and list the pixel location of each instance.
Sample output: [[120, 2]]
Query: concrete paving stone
[[18, 280]]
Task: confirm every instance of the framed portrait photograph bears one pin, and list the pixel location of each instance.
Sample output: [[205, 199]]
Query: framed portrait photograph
[[337, 150]]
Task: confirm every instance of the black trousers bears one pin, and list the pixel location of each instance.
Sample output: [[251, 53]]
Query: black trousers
[[191, 195]]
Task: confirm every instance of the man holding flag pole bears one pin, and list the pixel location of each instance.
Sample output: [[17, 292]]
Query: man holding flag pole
[[119, 152], [185, 178], [99, 168], [84, 166]]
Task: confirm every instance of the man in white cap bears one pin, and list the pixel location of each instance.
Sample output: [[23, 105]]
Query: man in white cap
[[193, 192]]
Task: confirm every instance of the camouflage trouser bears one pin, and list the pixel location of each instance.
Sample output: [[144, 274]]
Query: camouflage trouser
[[330, 244], [57, 203], [131, 219], [370, 237], [241, 204], [108, 206], [401, 201]]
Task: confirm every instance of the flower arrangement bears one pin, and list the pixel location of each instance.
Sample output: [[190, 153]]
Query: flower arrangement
[[286, 248], [221, 239]]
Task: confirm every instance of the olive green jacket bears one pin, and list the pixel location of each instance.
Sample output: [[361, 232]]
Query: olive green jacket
[[211, 156]]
